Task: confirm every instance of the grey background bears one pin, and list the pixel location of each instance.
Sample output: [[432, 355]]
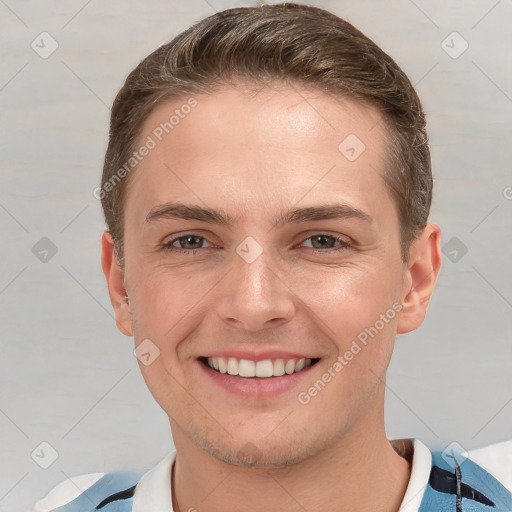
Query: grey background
[[68, 377]]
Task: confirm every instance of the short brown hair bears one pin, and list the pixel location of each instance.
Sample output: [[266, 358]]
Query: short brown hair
[[291, 43]]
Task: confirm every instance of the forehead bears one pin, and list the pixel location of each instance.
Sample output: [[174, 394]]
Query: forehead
[[249, 153]]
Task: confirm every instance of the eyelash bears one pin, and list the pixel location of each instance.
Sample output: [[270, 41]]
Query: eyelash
[[169, 247]]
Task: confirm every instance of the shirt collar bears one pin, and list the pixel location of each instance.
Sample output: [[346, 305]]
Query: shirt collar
[[153, 492], [418, 481]]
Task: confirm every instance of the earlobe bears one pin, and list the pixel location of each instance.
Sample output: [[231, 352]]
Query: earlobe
[[420, 277], [115, 282]]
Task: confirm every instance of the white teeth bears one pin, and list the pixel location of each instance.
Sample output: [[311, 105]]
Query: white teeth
[[246, 368], [278, 367], [223, 365], [232, 366], [265, 368], [289, 367]]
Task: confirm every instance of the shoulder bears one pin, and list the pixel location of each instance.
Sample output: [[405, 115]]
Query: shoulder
[[496, 459], [66, 492], [89, 491], [476, 479]]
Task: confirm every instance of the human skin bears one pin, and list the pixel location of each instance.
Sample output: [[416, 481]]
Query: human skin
[[253, 157]]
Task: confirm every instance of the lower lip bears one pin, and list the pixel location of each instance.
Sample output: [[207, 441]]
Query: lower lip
[[255, 387]]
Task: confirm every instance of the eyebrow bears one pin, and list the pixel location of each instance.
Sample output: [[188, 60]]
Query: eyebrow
[[294, 215]]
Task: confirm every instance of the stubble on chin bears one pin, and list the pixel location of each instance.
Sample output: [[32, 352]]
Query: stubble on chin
[[259, 454]]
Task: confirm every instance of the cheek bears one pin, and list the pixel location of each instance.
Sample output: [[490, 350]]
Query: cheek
[[165, 296], [168, 306], [357, 311], [347, 300]]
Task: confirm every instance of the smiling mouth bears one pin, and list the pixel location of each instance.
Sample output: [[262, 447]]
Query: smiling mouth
[[263, 369]]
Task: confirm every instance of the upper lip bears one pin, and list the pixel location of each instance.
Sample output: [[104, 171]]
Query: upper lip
[[259, 355]]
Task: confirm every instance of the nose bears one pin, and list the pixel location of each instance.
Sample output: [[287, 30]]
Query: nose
[[254, 294]]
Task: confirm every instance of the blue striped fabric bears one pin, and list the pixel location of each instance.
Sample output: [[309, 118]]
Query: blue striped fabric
[[463, 486], [111, 493]]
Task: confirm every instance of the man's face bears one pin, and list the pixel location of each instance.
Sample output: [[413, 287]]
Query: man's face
[[259, 290]]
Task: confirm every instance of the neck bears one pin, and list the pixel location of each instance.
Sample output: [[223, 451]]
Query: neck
[[356, 472]]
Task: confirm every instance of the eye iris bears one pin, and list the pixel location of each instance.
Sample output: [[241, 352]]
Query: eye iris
[[322, 237], [187, 240]]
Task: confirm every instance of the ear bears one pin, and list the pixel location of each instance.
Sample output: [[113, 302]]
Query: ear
[[420, 277], [115, 282]]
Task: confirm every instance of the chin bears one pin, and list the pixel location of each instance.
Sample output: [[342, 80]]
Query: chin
[[264, 453]]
